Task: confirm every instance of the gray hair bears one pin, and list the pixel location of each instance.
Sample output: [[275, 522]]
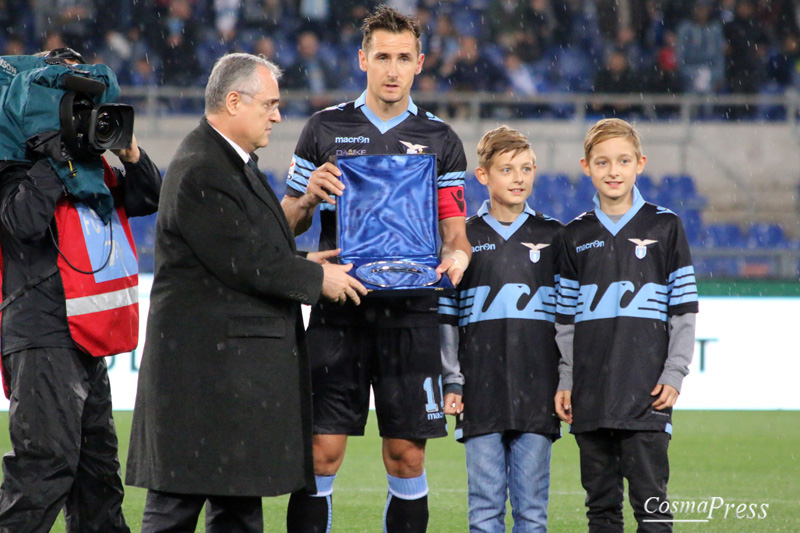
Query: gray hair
[[235, 72]]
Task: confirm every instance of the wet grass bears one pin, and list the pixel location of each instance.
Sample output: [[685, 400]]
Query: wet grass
[[725, 458]]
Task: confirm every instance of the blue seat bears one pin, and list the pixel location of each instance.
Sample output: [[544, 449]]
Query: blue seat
[[764, 235], [309, 241], [647, 188], [724, 236], [678, 192], [143, 230], [693, 226], [552, 188], [717, 267], [474, 193]]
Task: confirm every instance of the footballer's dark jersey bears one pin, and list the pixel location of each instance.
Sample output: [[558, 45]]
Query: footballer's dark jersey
[[620, 283], [505, 308], [353, 129]]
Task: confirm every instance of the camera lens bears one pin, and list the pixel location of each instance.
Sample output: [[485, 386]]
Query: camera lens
[[111, 127], [106, 126]]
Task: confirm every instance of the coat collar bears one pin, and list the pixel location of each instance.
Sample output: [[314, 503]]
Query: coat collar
[[257, 183]]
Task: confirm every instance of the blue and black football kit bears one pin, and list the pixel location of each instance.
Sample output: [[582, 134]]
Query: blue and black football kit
[[391, 343], [505, 309]]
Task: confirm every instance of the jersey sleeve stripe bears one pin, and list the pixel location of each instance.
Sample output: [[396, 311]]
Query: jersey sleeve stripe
[[305, 165], [451, 179], [299, 187], [299, 174], [685, 289], [685, 272], [685, 299], [448, 306]]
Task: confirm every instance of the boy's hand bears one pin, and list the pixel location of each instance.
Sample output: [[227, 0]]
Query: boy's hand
[[564, 405], [667, 396], [452, 404]]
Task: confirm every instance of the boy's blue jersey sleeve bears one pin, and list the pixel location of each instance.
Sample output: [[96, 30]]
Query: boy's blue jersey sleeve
[[681, 284], [448, 310], [568, 285]]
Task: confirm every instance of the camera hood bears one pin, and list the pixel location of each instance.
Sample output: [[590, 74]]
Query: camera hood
[[88, 130]]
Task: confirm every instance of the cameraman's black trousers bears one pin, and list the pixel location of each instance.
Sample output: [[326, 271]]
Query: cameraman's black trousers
[[64, 444]]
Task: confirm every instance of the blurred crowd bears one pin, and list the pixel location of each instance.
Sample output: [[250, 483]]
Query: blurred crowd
[[523, 47]]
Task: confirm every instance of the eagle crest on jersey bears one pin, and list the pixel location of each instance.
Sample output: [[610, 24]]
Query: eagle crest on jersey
[[535, 253], [641, 246], [412, 148]]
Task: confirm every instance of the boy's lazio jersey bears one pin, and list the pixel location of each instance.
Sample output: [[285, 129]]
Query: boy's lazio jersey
[[505, 308], [620, 283]]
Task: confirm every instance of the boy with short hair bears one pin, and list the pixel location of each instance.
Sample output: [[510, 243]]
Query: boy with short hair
[[625, 327], [505, 312]]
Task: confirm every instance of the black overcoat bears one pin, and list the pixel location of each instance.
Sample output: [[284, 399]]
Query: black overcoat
[[223, 405]]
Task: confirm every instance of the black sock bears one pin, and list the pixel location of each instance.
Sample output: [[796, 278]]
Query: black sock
[[308, 514], [406, 516]]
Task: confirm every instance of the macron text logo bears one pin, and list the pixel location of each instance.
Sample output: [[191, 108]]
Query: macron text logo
[[352, 140], [483, 248], [588, 245]]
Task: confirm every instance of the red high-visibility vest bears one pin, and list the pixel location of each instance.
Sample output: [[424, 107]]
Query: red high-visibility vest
[[99, 271], [102, 307]]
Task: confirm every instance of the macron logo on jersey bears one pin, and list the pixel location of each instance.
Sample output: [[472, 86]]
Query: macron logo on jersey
[[536, 250], [412, 148], [483, 248], [589, 246], [352, 140], [641, 247]]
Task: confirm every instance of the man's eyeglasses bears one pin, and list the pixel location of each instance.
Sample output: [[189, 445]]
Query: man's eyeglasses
[[269, 106]]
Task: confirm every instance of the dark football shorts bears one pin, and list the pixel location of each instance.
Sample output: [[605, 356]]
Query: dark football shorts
[[404, 367]]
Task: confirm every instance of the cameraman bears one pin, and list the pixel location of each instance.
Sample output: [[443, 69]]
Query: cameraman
[[60, 419]]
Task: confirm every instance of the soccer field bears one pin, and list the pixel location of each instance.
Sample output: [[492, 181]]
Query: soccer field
[[732, 460]]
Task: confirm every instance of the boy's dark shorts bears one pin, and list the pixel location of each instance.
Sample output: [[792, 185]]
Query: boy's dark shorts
[[404, 367]]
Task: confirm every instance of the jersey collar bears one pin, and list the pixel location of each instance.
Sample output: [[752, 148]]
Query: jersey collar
[[612, 227], [383, 127], [504, 231]]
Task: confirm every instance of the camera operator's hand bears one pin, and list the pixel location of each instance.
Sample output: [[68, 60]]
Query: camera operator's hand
[[129, 155]]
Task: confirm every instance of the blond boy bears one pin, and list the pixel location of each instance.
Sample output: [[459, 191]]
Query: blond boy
[[626, 317]]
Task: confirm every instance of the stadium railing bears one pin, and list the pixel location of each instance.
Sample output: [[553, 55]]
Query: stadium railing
[[154, 101]]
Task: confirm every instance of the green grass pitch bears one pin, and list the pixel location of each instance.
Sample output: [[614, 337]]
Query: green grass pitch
[[725, 458]]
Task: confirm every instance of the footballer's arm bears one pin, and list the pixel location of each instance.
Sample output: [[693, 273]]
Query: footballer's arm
[[456, 250]]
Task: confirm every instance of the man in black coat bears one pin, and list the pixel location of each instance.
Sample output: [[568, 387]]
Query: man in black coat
[[223, 408]]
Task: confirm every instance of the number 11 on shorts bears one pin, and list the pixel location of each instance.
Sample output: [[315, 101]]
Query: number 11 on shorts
[[431, 406]]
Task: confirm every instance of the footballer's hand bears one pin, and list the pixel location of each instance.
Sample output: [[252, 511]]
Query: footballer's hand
[[324, 184], [564, 405], [667, 396], [454, 266], [452, 404], [321, 258], [338, 286]]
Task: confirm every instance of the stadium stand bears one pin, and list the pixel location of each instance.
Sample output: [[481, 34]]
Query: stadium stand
[[561, 47]]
